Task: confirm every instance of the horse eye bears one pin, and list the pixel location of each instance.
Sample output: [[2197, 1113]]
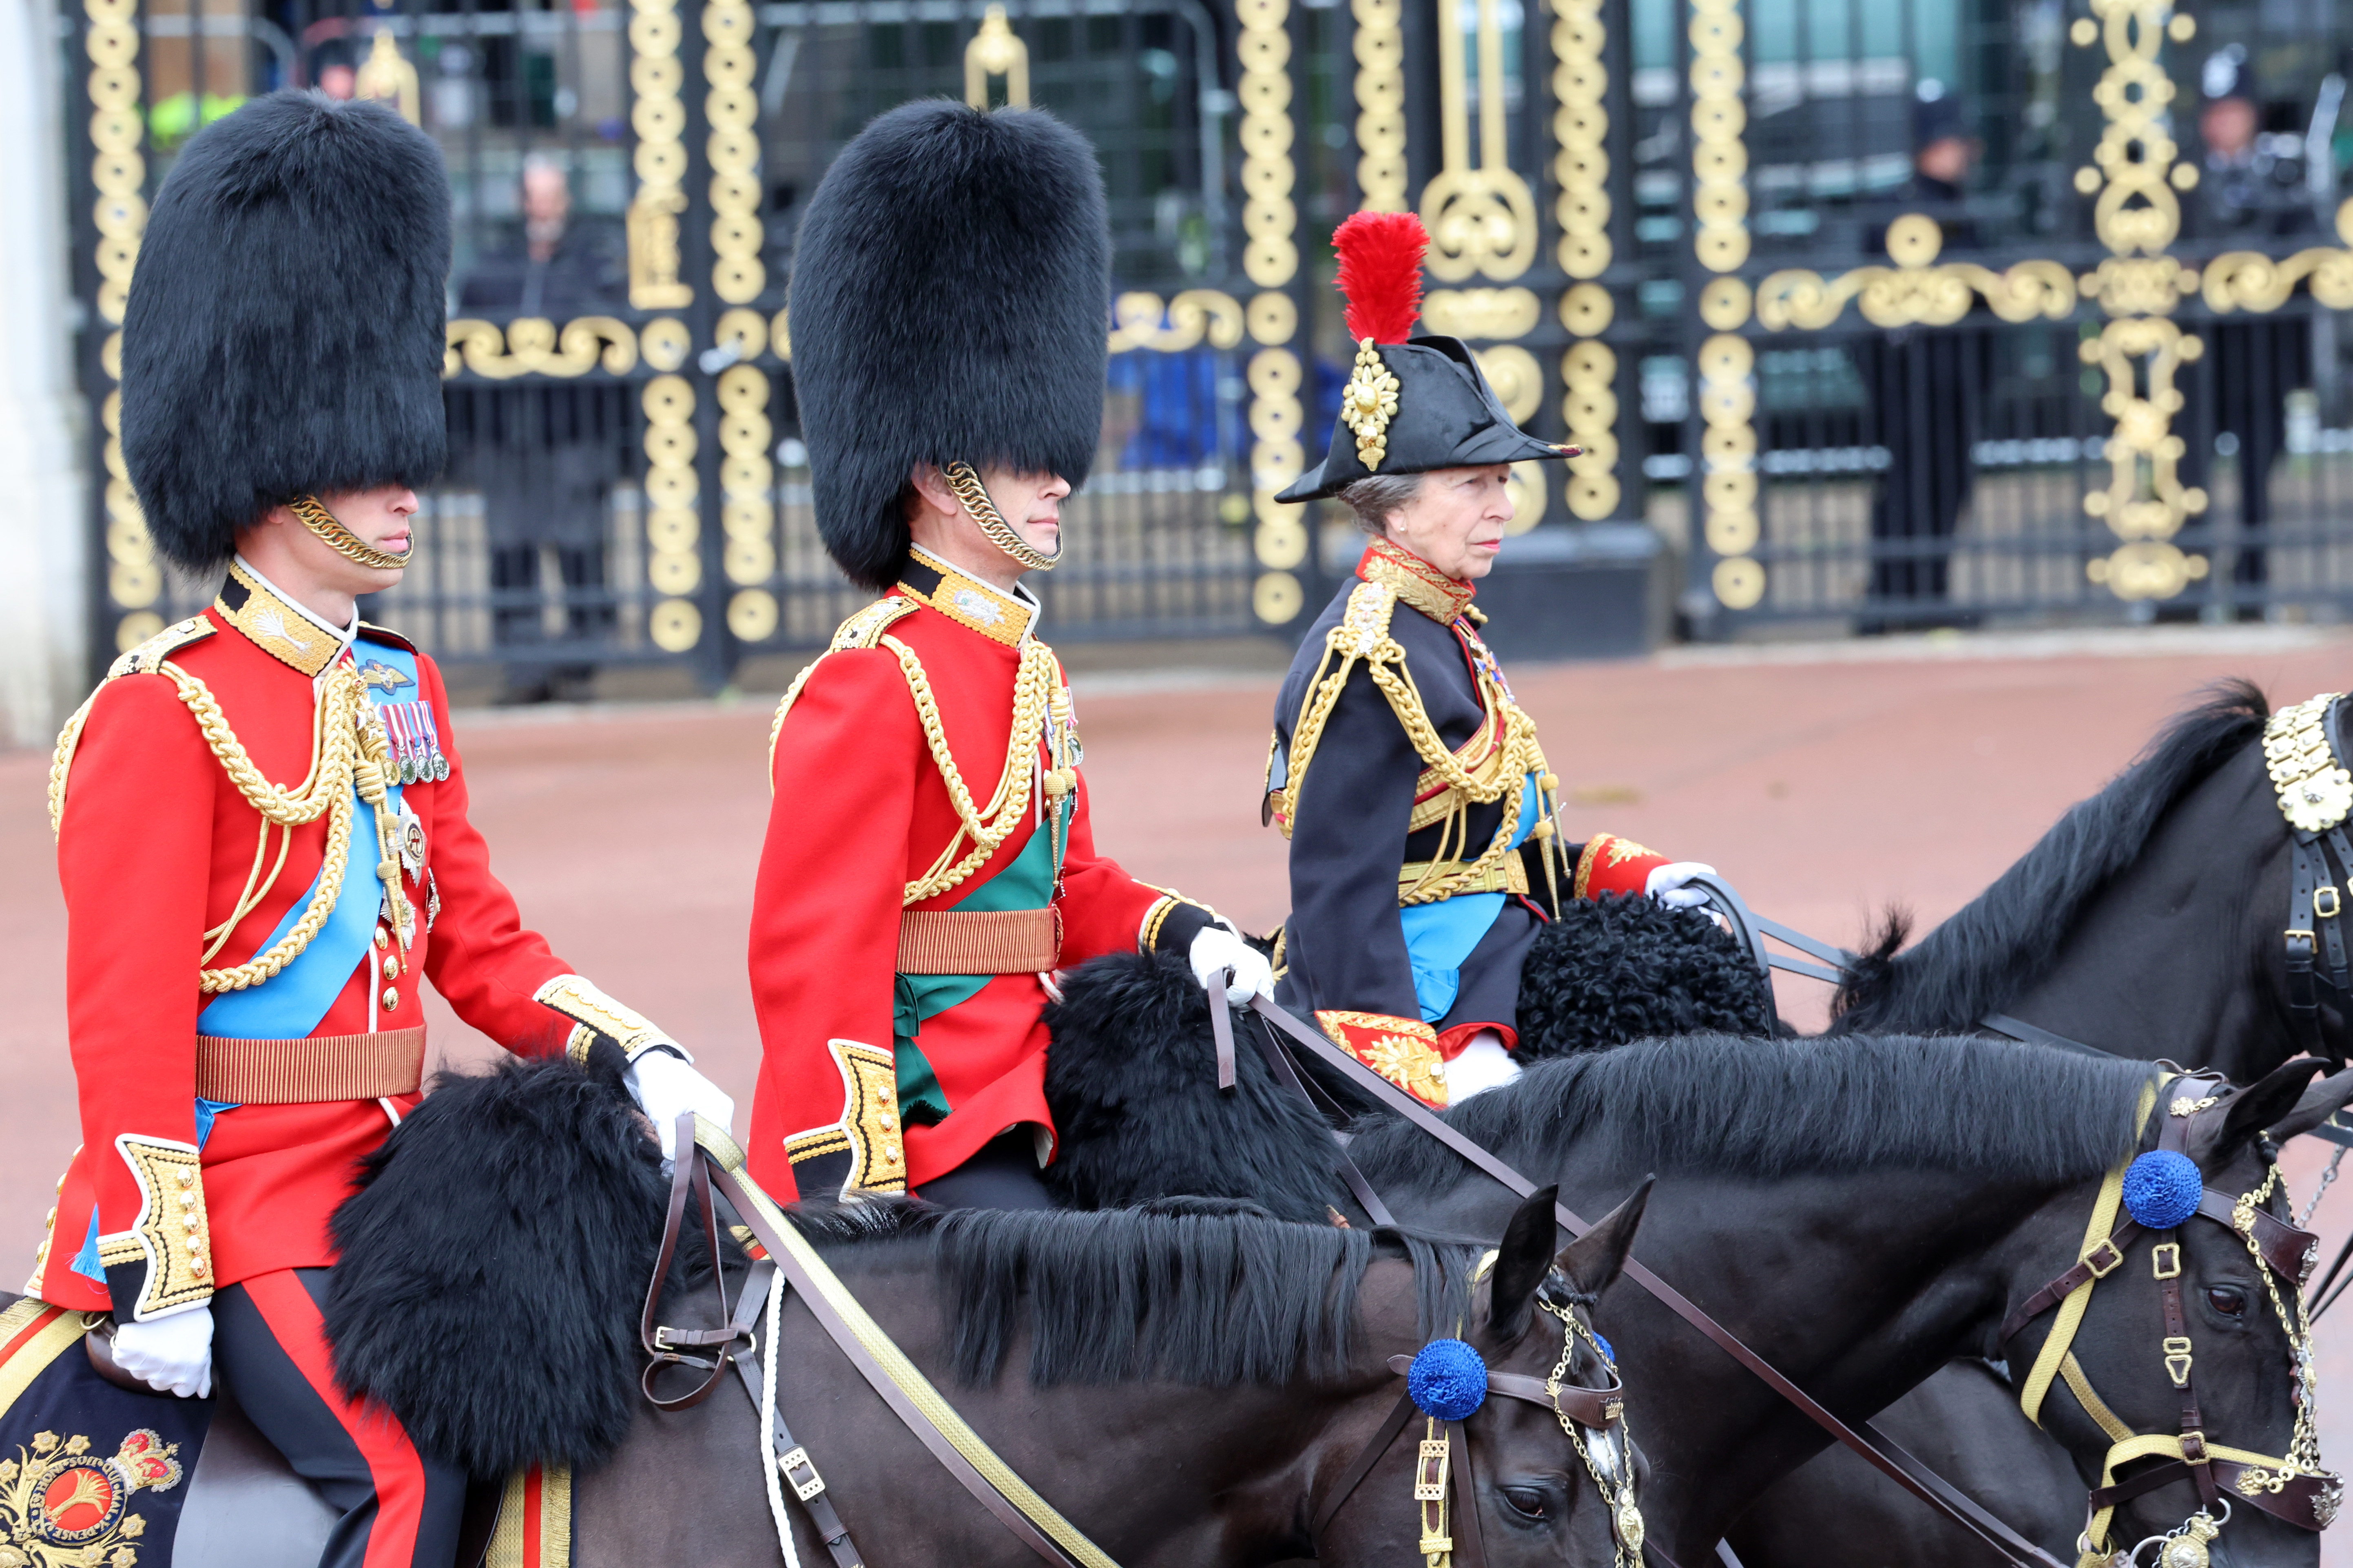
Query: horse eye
[[1526, 1501], [2229, 1302]]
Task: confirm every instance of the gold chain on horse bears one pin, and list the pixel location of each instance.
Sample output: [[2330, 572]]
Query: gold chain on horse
[[1615, 1481]]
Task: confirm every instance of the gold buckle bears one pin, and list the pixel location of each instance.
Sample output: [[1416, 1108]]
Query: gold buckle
[[2176, 1367], [2103, 1259], [1430, 1475], [799, 1459], [2164, 1259], [2193, 1445], [2295, 935], [2334, 902]]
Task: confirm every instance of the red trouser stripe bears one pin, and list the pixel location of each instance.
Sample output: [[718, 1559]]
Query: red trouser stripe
[[398, 1474]]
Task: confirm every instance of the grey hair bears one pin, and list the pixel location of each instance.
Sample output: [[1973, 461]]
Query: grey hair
[[1376, 498]]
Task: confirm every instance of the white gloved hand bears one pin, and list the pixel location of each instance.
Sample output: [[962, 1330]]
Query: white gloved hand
[[1217, 948], [663, 1085], [170, 1355], [1666, 884]]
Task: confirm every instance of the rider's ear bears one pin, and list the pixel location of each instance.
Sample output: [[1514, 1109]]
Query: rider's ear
[[2321, 1101], [2266, 1103], [1592, 1263], [1521, 1264]]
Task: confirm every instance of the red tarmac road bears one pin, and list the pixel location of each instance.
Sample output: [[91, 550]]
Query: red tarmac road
[[1826, 782]]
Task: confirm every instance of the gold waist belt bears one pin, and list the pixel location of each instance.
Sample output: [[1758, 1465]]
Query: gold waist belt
[[1507, 874], [977, 941], [309, 1072]]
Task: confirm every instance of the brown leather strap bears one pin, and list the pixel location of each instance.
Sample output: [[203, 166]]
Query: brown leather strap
[[1221, 1027], [1881, 1451], [2193, 1424], [792, 1461], [2308, 1502], [2290, 1252], [314, 1071], [838, 1329], [661, 1345], [980, 942], [1362, 1465], [2104, 1261]]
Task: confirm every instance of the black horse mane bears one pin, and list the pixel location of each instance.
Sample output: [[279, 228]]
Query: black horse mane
[[2008, 937], [1764, 1109], [1178, 1292]]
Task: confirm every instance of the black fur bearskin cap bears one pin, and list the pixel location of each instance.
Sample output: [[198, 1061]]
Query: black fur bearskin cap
[[284, 333], [950, 302]]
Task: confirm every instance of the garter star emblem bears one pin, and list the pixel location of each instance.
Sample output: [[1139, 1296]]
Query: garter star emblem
[[60, 1507]]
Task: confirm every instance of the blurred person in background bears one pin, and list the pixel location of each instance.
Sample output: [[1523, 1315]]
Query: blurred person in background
[[1927, 387], [2252, 194], [545, 455]]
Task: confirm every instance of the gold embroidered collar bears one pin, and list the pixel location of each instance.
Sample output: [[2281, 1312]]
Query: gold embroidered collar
[[1417, 582], [968, 602], [276, 624]]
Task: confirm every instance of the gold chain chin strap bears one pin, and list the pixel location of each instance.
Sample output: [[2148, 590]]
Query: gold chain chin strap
[[968, 490], [342, 540], [1625, 1513]]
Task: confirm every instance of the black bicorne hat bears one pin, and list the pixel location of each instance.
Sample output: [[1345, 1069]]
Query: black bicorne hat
[[950, 302], [1412, 404], [285, 329]]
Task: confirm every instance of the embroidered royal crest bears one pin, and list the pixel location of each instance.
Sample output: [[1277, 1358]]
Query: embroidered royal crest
[[62, 1507], [978, 605]]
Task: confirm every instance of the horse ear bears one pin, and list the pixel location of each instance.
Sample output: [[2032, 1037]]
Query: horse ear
[[1592, 1263], [2321, 1101], [2267, 1102], [1521, 1264]]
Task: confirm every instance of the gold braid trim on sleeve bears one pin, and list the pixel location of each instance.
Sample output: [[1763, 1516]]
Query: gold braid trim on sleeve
[[172, 1232], [1362, 634], [863, 629], [869, 1128], [597, 1016]]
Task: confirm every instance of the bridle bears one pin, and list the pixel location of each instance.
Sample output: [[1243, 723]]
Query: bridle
[[2315, 793], [1446, 1382], [2160, 1191]]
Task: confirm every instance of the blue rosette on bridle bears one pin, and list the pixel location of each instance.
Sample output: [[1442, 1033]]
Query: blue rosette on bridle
[[1447, 1380], [2162, 1189]]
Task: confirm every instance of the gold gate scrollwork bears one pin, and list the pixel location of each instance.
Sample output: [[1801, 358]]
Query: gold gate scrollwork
[[656, 74], [1916, 291], [1731, 522], [118, 175], [1482, 218], [2135, 175], [1380, 104], [1281, 540]]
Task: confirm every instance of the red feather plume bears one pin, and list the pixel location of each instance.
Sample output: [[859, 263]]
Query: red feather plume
[[1380, 274]]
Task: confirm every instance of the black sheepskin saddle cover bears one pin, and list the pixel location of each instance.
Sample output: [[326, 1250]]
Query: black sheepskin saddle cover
[[494, 1262], [1625, 967], [1131, 1080], [1130, 1076]]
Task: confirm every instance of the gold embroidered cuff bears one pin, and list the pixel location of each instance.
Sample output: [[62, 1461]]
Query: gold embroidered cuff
[[597, 1015], [869, 1130], [172, 1235], [1402, 1051]]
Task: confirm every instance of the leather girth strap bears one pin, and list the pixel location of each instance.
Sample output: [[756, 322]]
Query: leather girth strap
[[1881, 1451]]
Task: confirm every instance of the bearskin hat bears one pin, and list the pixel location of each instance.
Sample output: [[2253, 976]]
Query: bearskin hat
[[950, 302], [284, 333]]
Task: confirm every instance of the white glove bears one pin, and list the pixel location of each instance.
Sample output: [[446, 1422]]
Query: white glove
[[170, 1355], [663, 1085], [1666, 884], [1217, 948]]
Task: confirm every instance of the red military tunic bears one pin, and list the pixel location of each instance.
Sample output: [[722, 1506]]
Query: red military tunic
[[865, 827], [157, 852]]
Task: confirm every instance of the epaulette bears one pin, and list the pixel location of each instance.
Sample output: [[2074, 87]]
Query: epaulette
[[144, 658], [861, 630], [865, 628], [1365, 626], [386, 635]]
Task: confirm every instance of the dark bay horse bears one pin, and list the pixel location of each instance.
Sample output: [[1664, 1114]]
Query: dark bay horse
[[1186, 1385], [2147, 923], [1861, 1211]]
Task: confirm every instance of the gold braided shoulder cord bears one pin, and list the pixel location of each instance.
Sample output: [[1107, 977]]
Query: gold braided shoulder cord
[[349, 754], [989, 826]]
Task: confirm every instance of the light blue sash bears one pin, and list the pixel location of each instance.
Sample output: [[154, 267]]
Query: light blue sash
[[289, 1004]]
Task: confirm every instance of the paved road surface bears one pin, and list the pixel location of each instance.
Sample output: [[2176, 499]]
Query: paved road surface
[[1827, 783]]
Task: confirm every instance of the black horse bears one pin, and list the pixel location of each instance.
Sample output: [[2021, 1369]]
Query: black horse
[[1186, 1385], [2147, 923], [1862, 1211]]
